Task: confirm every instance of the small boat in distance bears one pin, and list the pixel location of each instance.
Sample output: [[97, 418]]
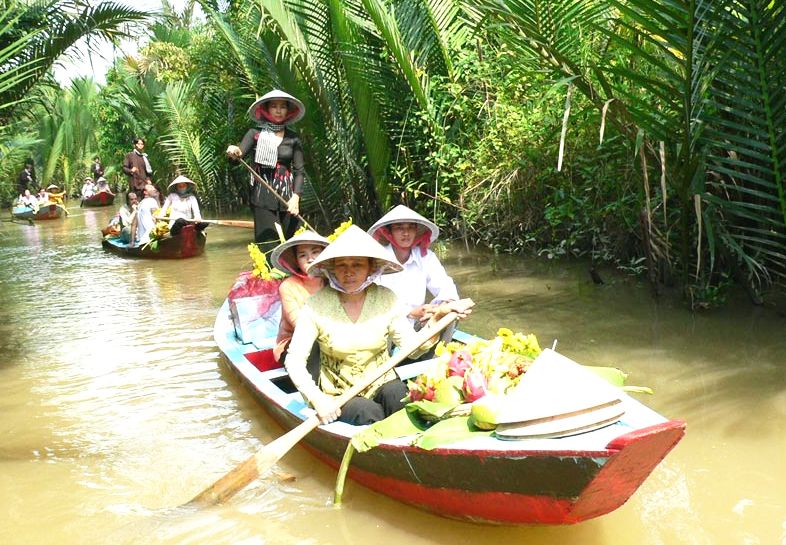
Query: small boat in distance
[[47, 211], [102, 198], [536, 480], [188, 243]]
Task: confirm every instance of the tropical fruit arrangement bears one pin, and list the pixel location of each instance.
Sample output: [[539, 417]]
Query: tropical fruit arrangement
[[464, 373]]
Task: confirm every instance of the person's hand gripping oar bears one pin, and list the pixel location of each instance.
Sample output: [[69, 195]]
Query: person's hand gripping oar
[[234, 153], [234, 481]]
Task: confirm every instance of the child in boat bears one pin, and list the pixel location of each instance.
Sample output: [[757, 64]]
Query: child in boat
[[295, 256], [353, 320], [181, 205], [406, 237]]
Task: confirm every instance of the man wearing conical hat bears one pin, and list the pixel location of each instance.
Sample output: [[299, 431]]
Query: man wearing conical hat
[[406, 237], [278, 159], [353, 320]]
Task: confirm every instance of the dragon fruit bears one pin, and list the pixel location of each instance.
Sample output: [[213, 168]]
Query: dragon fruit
[[475, 385], [460, 362]]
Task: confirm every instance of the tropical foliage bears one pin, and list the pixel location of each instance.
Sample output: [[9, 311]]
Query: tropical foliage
[[34, 35], [644, 133]]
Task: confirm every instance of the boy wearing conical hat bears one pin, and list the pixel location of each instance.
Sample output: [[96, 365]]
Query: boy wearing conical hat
[[406, 237]]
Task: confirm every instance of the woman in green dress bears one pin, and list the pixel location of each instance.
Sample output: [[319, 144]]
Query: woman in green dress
[[353, 320]]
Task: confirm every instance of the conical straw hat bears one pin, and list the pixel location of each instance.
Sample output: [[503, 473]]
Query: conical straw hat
[[403, 214], [354, 242], [284, 260], [181, 180], [296, 108]]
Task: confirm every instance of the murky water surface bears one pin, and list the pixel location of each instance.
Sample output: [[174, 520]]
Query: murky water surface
[[115, 405]]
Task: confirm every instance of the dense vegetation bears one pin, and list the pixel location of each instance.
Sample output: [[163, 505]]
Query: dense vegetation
[[644, 133]]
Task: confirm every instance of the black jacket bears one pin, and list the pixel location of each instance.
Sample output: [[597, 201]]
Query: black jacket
[[290, 157]]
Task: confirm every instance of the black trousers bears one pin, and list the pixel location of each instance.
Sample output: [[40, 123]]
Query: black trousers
[[265, 234], [180, 223], [361, 411]]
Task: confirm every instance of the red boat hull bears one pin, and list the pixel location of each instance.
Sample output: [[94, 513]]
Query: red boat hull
[[188, 243], [496, 482], [102, 198]]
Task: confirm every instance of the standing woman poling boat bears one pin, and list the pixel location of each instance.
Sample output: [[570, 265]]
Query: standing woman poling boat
[[26, 178], [279, 160]]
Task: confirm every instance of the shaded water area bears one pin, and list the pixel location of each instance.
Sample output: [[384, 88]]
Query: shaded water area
[[116, 406]]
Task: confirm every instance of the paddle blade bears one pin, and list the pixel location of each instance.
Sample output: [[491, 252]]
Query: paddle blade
[[264, 459], [228, 485]]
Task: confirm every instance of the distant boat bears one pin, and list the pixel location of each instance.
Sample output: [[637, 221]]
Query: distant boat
[[536, 480], [188, 243], [102, 198], [48, 211]]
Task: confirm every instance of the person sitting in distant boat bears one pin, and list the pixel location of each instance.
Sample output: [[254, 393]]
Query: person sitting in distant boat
[[295, 256], [181, 205], [120, 225], [54, 194], [144, 220], [103, 186], [406, 237], [88, 188], [43, 197], [29, 200]]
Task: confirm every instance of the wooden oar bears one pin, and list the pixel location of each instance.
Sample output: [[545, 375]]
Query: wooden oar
[[261, 180], [228, 485], [226, 223]]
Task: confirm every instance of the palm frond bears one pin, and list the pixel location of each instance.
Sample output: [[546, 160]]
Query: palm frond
[[746, 133]]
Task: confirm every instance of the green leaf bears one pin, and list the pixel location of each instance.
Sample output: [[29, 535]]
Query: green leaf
[[449, 431]]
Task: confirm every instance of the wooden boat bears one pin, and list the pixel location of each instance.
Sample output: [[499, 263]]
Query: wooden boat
[[188, 243], [530, 481], [49, 211], [102, 198]]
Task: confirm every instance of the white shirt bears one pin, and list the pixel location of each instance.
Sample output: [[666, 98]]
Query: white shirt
[[181, 207], [144, 219], [420, 273]]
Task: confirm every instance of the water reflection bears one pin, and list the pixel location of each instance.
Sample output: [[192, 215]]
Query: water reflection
[[116, 406]]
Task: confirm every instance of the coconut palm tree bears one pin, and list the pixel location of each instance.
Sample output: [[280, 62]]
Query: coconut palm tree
[[68, 133], [362, 68], [34, 35], [699, 85]]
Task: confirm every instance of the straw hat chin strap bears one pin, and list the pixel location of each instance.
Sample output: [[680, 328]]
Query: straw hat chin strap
[[292, 271], [338, 287], [424, 240]]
